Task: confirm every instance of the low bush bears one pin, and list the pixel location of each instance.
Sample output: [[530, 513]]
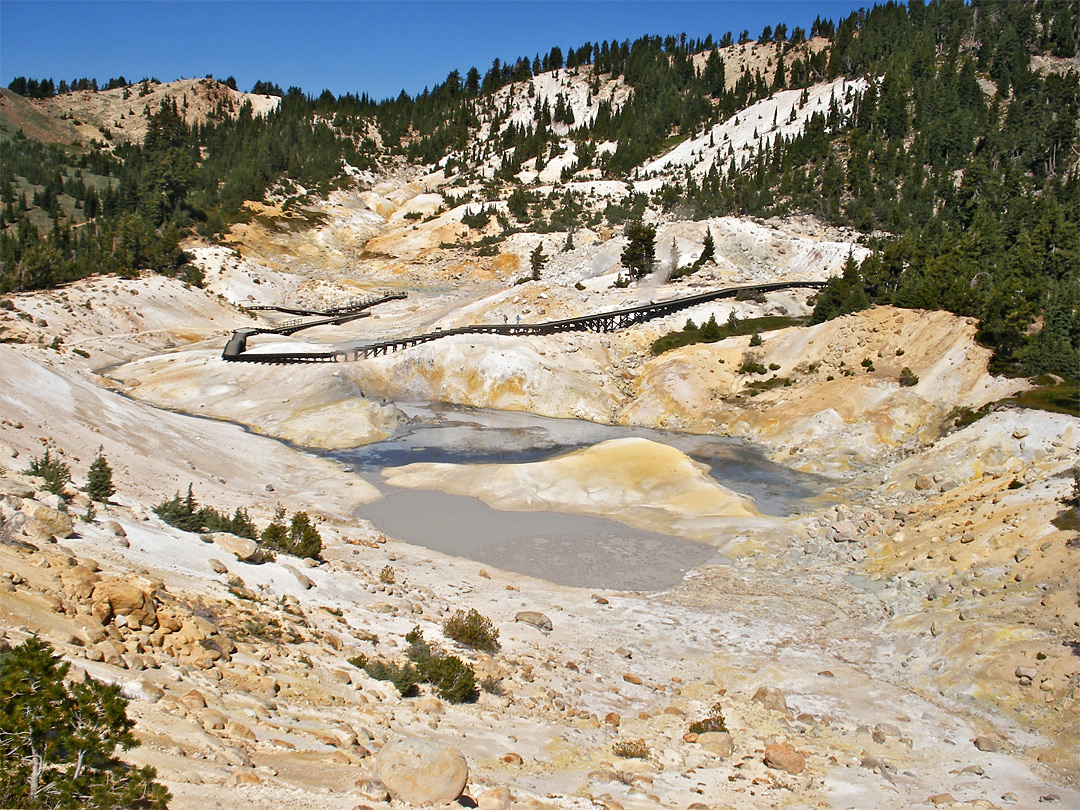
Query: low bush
[[714, 721], [631, 749], [908, 377], [454, 680], [473, 630]]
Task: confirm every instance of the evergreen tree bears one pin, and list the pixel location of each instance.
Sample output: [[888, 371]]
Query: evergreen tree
[[56, 473], [57, 739], [99, 484], [640, 253], [536, 261]]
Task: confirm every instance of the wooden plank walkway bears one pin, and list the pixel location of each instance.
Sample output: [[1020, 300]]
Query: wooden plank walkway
[[598, 322]]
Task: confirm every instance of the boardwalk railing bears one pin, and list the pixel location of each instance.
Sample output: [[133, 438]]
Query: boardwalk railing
[[598, 322], [236, 348]]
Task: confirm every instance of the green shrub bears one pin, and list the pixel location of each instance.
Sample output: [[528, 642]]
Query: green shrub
[[908, 377], [631, 749], [405, 678], [751, 366], [453, 679], [388, 576], [56, 473], [186, 514], [714, 721], [299, 538], [473, 630]]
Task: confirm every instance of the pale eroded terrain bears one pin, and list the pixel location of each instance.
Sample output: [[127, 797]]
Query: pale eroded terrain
[[892, 624]]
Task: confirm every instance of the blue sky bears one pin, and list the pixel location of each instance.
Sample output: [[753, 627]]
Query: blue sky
[[376, 47]]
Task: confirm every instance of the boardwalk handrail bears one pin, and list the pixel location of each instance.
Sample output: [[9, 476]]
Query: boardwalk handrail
[[349, 311], [598, 322]]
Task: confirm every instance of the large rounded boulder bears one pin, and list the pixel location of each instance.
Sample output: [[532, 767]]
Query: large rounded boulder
[[419, 771]]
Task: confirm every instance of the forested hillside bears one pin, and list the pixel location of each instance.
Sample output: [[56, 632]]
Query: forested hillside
[[952, 146]]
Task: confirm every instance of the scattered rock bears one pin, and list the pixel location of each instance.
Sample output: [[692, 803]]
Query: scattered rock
[[988, 744], [244, 549], [114, 528], [941, 798], [717, 742], [771, 698], [923, 482], [373, 790], [56, 523], [114, 598], [217, 566], [193, 699], [535, 618], [422, 772], [496, 798], [783, 757], [142, 690]]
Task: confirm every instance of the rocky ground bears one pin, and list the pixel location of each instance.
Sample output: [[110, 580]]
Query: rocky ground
[[912, 644]]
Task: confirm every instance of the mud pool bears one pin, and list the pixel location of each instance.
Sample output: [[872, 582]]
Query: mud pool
[[567, 549]]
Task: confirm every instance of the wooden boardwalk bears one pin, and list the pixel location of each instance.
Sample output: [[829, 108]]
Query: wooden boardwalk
[[599, 322]]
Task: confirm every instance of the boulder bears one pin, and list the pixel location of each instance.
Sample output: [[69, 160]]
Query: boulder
[[771, 698], [535, 618], [245, 550], [717, 742], [114, 598], [114, 528], [142, 690], [57, 523], [783, 757], [193, 699], [419, 771], [496, 798]]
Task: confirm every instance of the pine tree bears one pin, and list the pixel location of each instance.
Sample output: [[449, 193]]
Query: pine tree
[[639, 254], [57, 739], [708, 247], [536, 260], [99, 484], [56, 473]]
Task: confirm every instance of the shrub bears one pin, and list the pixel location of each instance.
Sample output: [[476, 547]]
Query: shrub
[[751, 366], [405, 678], [57, 739], [473, 630], [755, 339], [186, 513], [714, 721], [388, 576], [56, 473], [453, 679], [631, 749], [908, 377]]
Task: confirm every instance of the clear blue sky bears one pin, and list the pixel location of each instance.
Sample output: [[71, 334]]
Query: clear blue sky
[[374, 47]]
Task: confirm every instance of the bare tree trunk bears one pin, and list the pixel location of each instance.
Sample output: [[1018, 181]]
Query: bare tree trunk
[[35, 773]]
